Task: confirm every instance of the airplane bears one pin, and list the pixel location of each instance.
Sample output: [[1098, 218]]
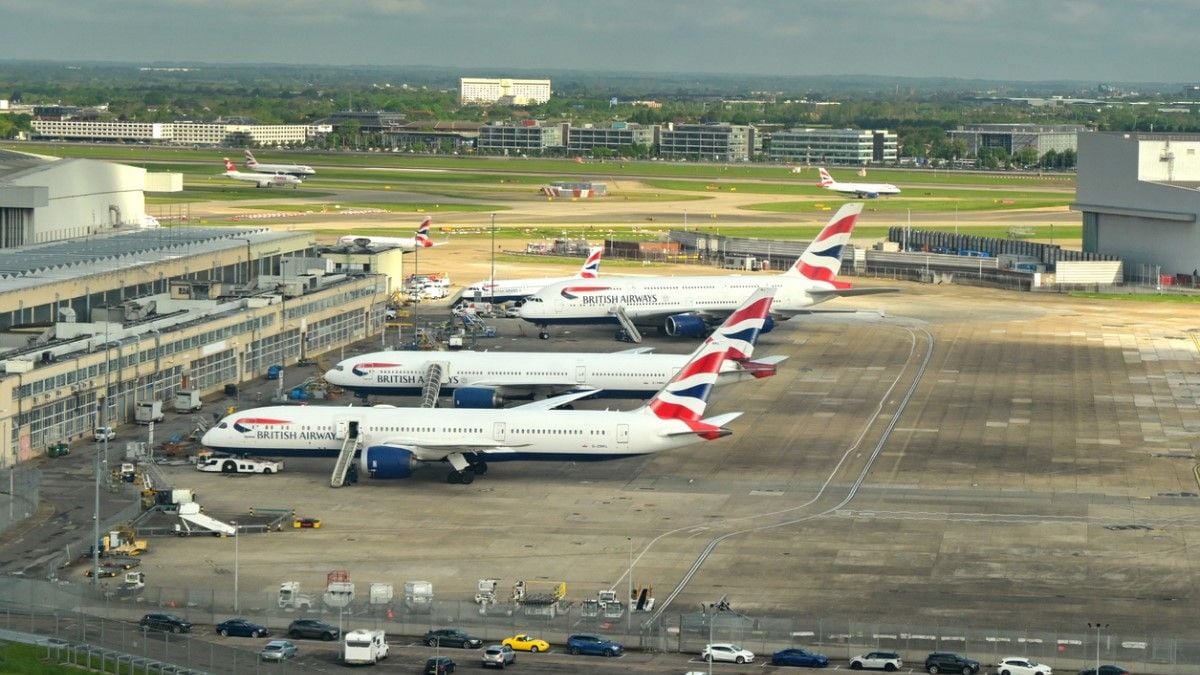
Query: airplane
[[489, 379], [392, 441], [498, 291], [407, 244], [297, 170], [261, 180], [687, 306], [862, 190]]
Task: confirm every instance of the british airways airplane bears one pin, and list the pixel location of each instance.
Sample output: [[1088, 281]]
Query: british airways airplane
[[497, 291], [688, 306], [392, 441], [407, 244], [490, 379], [862, 190], [297, 170]]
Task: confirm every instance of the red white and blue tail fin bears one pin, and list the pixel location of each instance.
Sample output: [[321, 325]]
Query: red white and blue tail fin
[[250, 161], [826, 179], [740, 331], [685, 397], [822, 260], [229, 166], [422, 239], [591, 266]]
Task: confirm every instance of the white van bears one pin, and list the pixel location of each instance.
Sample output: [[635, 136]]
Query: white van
[[364, 647]]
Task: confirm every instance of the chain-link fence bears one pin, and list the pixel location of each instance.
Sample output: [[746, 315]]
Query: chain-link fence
[[81, 614], [19, 493]]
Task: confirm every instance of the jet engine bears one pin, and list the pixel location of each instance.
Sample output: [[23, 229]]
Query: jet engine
[[383, 462], [685, 325], [477, 397]]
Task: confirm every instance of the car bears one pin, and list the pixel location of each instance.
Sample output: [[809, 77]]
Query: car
[[451, 637], [728, 652], [278, 650], [313, 628], [950, 662], [438, 665], [799, 657], [582, 643], [499, 655], [526, 643], [241, 628], [104, 433], [1019, 665], [165, 622], [889, 661], [1106, 669]]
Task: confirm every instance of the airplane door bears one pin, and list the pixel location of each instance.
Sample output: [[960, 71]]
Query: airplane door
[[340, 428], [498, 432], [622, 435], [580, 373]]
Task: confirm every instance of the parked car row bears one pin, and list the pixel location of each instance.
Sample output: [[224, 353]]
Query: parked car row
[[504, 654]]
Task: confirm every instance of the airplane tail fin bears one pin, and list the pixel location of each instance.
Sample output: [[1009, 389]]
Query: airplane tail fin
[[422, 238], [250, 161], [822, 260], [685, 396], [591, 266], [826, 179], [229, 166], [740, 331]]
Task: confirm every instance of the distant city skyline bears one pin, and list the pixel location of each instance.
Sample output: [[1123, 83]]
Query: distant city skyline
[[1014, 40]]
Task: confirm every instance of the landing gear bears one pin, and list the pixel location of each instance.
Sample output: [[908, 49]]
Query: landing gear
[[460, 477], [543, 335], [480, 468]]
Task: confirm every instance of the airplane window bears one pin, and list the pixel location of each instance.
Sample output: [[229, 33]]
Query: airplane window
[[221, 425]]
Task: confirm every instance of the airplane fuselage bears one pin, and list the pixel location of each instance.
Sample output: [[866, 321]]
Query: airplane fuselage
[[517, 374], [497, 435], [406, 244], [590, 301], [865, 189], [264, 180], [509, 290], [297, 170]]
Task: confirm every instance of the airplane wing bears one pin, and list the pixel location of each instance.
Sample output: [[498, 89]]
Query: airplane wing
[[636, 350], [849, 292], [557, 401], [427, 450]]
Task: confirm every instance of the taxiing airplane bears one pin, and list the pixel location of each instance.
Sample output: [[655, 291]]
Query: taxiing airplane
[[297, 170], [262, 180], [497, 291], [688, 306], [407, 244], [863, 190], [489, 379], [390, 441]]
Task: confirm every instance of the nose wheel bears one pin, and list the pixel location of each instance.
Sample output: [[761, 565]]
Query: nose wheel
[[543, 335], [461, 477]]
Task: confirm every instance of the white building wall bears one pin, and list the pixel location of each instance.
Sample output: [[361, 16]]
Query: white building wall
[[86, 197]]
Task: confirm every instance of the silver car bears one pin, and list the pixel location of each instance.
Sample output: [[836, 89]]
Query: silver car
[[278, 650], [499, 655]]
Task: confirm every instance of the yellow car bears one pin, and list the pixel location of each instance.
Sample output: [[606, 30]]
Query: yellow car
[[526, 643]]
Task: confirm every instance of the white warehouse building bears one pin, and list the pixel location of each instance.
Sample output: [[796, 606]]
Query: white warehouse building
[[1139, 194]]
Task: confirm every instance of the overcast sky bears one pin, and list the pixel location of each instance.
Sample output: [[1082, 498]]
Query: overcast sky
[[1091, 40]]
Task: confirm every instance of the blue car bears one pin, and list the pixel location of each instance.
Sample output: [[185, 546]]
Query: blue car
[[594, 645], [799, 657], [242, 628]]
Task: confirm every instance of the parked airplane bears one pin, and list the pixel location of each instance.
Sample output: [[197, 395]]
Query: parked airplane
[[407, 244], [687, 306], [297, 170], [392, 441], [863, 190], [496, 291], [489, 379], [261, 180]]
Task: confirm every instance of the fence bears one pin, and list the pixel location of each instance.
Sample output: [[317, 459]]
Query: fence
[[79, 615], [20, 494]]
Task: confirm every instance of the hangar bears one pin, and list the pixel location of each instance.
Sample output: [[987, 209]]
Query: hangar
[[1139, 194]]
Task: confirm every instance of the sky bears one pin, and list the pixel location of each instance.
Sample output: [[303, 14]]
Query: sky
[[1028, 40]]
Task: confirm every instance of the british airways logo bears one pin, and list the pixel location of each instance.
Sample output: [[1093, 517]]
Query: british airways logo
[[363, 369], [584, 295]]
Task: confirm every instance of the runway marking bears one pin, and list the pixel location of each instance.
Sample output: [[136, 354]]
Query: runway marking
[[917, 430]]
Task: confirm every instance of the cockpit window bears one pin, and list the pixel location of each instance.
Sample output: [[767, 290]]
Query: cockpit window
[[338, 367], [222, 425]]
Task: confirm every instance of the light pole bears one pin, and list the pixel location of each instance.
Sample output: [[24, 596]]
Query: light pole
[[711, 614], [1098, 626], [235, 564], [630, 603], [492, 286]]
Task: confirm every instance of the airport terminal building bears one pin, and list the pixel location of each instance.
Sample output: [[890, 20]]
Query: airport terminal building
[[1139, 194]]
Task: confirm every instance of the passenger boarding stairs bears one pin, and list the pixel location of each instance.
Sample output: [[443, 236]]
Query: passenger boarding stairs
[[626, 323], [434, 371], [345, 457], [190, 514]]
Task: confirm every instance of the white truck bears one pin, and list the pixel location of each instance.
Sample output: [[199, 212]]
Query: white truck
[[418, 596], [364, 647], [223, 464], [145, 412], [290, 597], [187, 400]]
